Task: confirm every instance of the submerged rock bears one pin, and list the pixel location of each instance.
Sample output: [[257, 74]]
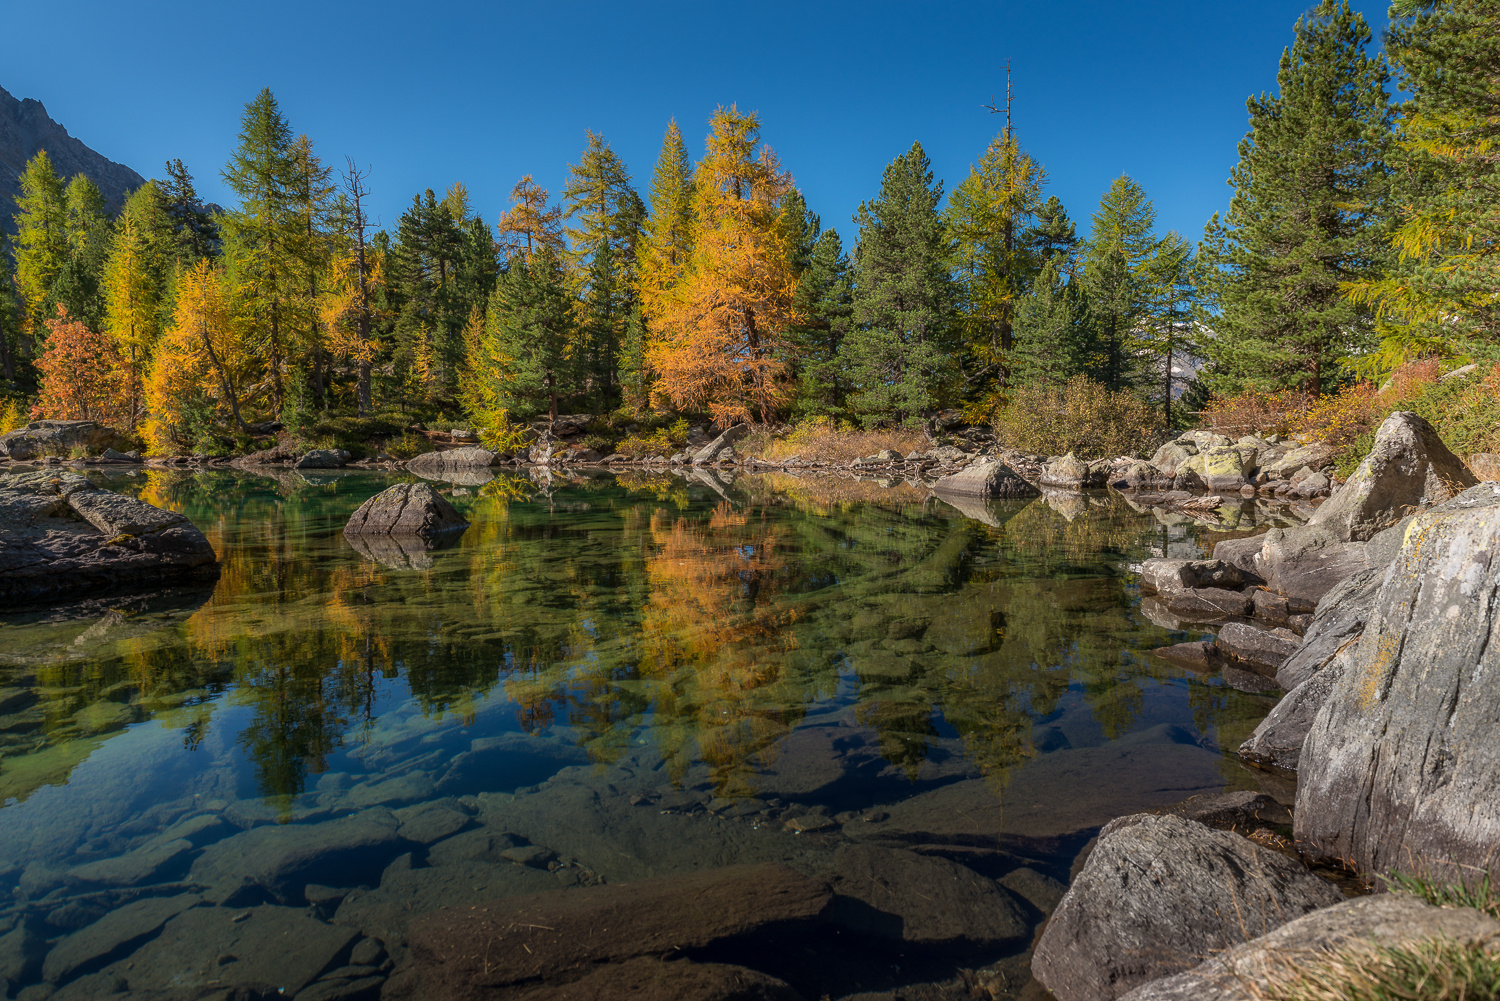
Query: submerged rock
[[1391, 920], [1401, 769], [1157, 894], [61, 535]]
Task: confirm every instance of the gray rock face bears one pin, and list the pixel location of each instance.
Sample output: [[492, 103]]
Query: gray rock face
[[1071, 473], [1161, 576], [1316, 456], [438, 463], [282, 859], [1242, 973], [61, 535], [406, 509], [989, 480], [1408, 469], [41, 438], [323, 458], [726, 441], [1277, 741], [1401, 769], [1156, 896], [1339, 619], [1305, 563], [88, 948]]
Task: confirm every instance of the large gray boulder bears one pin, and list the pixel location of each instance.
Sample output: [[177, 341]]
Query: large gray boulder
[[323, 458], [1316, 456], [1069, 472], [436, 464], [989, 479], [1156, 896], [60, 535], [711, 452], [1304, 564], [1339, 619], [1277, 741], [61, 438], [1390, 920], [1408, 469], [406, 509], [1401, 770]]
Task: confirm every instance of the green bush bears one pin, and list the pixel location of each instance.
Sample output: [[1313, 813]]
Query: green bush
[[1081, 416], [408, 445], [664, 441]]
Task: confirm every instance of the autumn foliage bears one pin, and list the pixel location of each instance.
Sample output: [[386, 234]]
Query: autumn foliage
[[81, 376], [720, 342]]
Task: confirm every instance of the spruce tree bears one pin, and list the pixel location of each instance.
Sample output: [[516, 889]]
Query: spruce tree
[[1054, 329], [1120, 274], [78, 285], [899, 353], [1307, 214], [195, 234], [666, 241], [825, 302], [1053, 233]]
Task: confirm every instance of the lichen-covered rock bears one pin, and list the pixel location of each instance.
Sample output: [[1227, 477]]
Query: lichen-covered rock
[[1408, 469], [1244, 972], [1157, 894], [61, 438], [60, 535], [1316, 456], [989, 479], [438, 463], [1225, 469], [323, 458], [1171, 455], [1401, 769]]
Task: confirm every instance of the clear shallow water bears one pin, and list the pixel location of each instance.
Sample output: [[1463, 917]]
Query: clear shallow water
[[773, 668]]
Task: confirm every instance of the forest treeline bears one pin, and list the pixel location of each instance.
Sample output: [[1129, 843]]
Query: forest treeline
[[1361, 236]]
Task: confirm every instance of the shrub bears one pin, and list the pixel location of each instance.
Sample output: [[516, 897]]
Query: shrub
[[829, 440], [1081, 416], [663, 441], [408, 445], [15, 415], [1255, 413]]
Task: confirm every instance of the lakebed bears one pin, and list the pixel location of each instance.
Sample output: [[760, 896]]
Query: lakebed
[[271, 786]]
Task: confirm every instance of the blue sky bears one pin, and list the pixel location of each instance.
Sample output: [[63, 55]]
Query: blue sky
[[485, 92]]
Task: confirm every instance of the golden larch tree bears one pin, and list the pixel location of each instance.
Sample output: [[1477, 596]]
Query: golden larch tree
[[720, 343]]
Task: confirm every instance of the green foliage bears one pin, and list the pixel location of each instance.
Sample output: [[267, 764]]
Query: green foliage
[[1434, 969], [1054, 330], [663, 441], [1481, 895], [825, 301], [899, 353], [1081, 416], [1308, 214], [527, 352], [408, 445]]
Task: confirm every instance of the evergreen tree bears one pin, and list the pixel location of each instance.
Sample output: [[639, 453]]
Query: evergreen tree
[[990, 216], [824, 301], [195, 234], [899, 351], [799, 227], [1168, 331], [1120, 274], [1053, 233], [1054, 329], [530, 335], [312, 203], [1307, 213], [78, 285], [11, 336], [262, 236], [1439, 296], [430, 318], [633, 376], [137, 277], [41, 240]]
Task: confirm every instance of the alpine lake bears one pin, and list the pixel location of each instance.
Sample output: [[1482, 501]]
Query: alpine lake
[[262, 788]]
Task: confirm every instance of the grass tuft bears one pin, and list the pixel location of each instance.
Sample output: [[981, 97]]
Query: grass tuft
[[1430, 970]]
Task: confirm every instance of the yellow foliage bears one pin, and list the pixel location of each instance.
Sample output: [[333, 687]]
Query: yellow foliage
[[14, 415], [195, 363]]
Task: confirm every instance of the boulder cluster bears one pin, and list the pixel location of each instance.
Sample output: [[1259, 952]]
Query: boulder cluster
[[1380, 619]]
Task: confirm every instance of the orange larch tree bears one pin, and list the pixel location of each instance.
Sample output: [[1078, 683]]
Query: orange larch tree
[[530, 224], [720, 343], [81, 373]]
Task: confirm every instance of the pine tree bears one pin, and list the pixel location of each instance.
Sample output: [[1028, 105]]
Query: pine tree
[[11, 337], [1053, 233], [667, 235], [1438, 297], [530, 336], [262, 236], [311, 202], [195, 234], [77, 286], [41, 240], [1307, 214], [990, 216], [1167, 334], [899, 351], [825, 303], [718, 335]]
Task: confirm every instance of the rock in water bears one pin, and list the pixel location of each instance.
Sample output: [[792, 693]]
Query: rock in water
[[438, 463], [1158, 894], [61, 535], [406, 509], [1401, 770], [714, 449], [1071, 473], [1408, 469], [988, 479], [1390, 920], [40, 438]]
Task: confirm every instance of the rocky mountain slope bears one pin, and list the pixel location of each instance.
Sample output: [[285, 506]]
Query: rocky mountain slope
[[26, 128]]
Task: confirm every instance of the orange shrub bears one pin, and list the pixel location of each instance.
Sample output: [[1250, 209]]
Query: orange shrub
[[1256, 413]]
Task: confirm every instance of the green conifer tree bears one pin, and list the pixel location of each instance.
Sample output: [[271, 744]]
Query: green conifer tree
[[1308, 214], [825, 301], [531, 336], [78, 285], [899, 354], [41, 240], [1054, 329], [195, 234], [1120, 273]]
